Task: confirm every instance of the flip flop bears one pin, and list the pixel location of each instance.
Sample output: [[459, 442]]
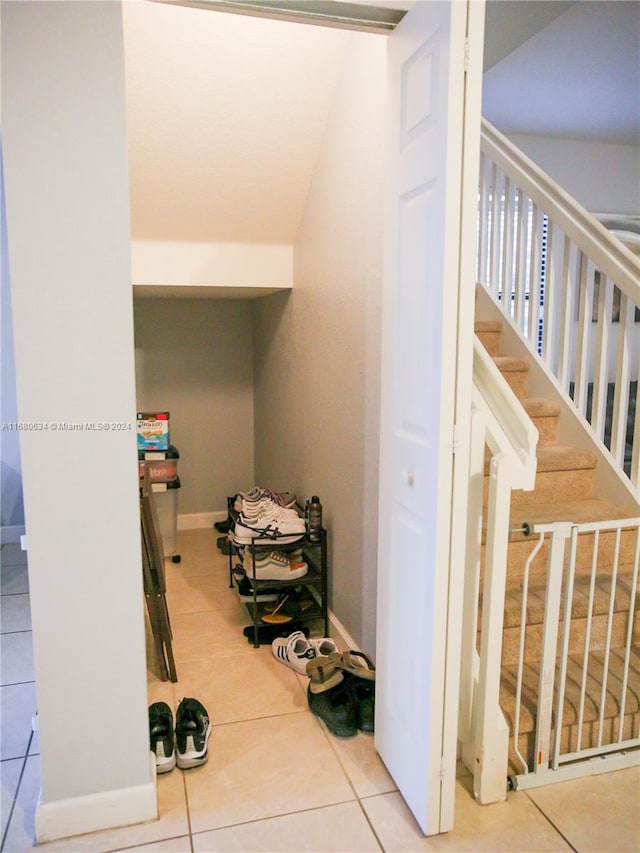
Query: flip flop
[[323, 672], [289, 607], [358, 664]]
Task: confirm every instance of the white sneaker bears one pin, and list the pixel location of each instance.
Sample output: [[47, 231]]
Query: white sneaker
[[324, 646], [276, 566], [268, 511], [285, 532], [294, 651]]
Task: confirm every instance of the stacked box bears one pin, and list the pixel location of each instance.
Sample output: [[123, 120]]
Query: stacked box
[[153, 430], [162, 465]]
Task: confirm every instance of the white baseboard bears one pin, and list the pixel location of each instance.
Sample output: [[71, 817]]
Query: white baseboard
[[11, 534], [93, 812], [198, 520], [340, 634]]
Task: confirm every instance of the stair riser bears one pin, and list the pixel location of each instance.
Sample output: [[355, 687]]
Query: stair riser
[[551, 487], [569, 739], [555, 486], [519, 550], [547, 429], [518, 381], [597, 643], [490, 341]]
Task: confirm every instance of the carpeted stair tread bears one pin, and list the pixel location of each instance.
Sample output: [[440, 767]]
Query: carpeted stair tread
[[594, 683], [561, 457], [487, 326], [511, 364], [541, 407], [580, 600]]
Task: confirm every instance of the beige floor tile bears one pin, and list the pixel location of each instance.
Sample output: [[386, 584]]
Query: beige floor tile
[[208, 634], [171, 824], [264, 768], [198, 538], [199, 588], [515, 825], [242, 687], [161, 691], [334, 828], [363, 765], [597, 813], [203, 561]]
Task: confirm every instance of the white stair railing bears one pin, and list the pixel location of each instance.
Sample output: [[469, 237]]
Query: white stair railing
[[570, 287], [502, 433]]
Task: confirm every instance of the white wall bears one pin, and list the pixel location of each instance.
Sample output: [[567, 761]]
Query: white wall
[[64, 141], [603, 177], [317, 350], [194, 357]]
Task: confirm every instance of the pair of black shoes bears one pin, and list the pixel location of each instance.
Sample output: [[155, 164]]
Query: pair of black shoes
[[342, 692], [189, 747]]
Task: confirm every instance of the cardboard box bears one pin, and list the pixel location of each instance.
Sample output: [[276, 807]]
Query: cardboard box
[[153, 430]]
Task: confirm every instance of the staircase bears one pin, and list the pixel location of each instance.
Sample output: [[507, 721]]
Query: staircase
[[601, 693], [550, 667]]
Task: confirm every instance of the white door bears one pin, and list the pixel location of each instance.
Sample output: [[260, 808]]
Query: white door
[[417, 652]]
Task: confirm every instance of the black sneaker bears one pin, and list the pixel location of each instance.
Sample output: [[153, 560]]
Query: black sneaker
[[161, 736], [337, 708], [364, 696], [193, 728]]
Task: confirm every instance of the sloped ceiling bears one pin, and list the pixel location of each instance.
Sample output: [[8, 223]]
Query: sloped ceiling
[[225, 120]]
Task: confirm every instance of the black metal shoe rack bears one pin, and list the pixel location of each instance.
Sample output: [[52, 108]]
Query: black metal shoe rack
[[315, 580]]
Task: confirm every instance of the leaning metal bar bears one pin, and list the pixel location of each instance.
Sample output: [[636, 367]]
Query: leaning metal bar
[[523, 631]]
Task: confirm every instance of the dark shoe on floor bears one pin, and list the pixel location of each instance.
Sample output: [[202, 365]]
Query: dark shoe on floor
[[193, 728], [161, 736], [268, 633], [222, 526], [224, 545], [337, 708], [364, 697], [245, 591]]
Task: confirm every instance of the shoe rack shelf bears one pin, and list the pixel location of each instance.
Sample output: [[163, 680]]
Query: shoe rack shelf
[[314, 554]]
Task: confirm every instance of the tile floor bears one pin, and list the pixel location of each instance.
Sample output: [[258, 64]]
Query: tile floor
[[276, 780]]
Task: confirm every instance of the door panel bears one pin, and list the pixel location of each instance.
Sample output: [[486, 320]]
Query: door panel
[[419, 365]]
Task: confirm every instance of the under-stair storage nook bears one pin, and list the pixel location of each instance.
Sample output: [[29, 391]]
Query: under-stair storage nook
[[307, 593]]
